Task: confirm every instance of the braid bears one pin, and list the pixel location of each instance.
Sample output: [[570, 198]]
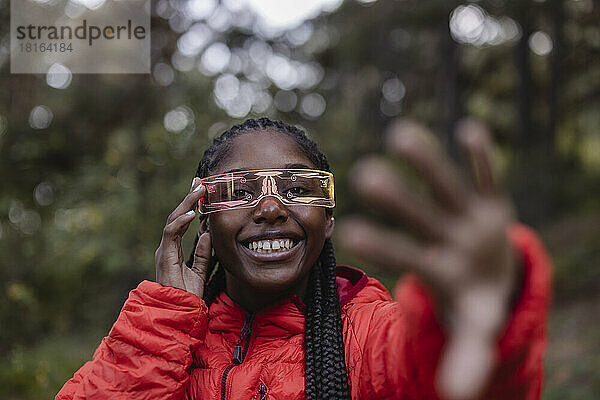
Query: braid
[[323, 333], [313, 325], [215, 286], [325, 367]]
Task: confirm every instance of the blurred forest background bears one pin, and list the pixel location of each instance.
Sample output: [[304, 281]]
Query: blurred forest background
[[91, 165]]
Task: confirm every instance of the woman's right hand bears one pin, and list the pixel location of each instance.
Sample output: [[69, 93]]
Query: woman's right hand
[[171, 269]]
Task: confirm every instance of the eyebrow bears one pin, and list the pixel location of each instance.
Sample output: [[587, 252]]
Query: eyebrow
[[286, 166]]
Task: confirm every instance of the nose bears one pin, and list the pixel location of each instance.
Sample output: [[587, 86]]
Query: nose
[[270, 210]]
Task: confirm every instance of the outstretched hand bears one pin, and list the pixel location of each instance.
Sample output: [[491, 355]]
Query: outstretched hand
[[171, 269], [458, 246]]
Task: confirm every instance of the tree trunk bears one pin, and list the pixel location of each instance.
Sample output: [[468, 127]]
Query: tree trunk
[[525, 128], [557, 15], [449, 96]]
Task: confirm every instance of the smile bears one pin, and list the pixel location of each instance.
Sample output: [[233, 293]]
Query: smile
[[271, 245]]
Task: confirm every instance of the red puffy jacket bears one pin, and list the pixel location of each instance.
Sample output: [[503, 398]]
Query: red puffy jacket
[[166, 344]]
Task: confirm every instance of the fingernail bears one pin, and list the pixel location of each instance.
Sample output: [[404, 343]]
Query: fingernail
[[194, 182], [191, 212], [198, 188]]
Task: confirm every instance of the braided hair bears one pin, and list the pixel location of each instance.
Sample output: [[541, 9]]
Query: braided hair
[[325, 367]]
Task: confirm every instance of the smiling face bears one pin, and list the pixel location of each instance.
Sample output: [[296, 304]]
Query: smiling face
[[256, 278]]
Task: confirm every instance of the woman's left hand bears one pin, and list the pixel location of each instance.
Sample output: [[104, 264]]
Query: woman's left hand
[[458, 246]]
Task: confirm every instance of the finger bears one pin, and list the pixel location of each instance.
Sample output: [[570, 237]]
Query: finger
[[195, 283], [371, 243], [421, 150], [476, 143], [179, 226], [383, 188], [190, 201]]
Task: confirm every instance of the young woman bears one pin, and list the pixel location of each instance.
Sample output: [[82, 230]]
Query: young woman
[[271, 316]]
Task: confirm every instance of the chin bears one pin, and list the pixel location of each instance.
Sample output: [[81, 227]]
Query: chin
[[276, 280]]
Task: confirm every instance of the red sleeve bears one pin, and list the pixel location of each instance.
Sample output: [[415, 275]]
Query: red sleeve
[[521, 345], [148, 350]]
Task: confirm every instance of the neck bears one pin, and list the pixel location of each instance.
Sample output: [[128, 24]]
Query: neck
[[255, 299]]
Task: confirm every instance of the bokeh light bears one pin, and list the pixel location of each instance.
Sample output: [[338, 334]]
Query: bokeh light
[[312, 105], [471, 24], [200, 9], [393, 90], [278, 15], [163, 74], [259, 51], [281, 72], [27, 221], [180, 22], [91, 4], [262, 102], [220, 20], [240, 106], [44, 193], [163, 9], [47, 2], [227, 87], [299, 35], [388, 108], [466, 23], [182, 62], [59, 76], [194, 40], [236, 62], [540, 43], [74, 9], [238, 97], [178, 119], [40, 117], [285, 101], [215, 58], [311, 75]]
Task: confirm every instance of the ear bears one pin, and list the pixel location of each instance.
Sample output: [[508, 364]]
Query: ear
[[329, 225]]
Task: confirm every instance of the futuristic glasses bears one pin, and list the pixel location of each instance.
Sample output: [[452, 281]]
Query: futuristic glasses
[[245, 189]]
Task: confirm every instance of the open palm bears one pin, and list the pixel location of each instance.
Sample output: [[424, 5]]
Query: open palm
[[457, 243]]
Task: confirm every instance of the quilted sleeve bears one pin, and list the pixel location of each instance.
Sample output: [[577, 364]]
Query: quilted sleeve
[[148, 350], [405, 341]]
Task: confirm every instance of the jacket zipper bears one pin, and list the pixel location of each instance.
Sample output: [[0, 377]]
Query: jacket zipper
[[262, 392], [239, 352]]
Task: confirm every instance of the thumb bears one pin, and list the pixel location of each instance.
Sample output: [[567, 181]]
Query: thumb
[[195, 276]]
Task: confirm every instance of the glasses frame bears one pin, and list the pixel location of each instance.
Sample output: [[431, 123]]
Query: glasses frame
[[271, 189]]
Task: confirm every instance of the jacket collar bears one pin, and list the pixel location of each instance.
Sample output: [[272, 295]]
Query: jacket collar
[[283, 319]]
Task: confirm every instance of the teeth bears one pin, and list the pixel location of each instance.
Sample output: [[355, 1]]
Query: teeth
[[271, 246]]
